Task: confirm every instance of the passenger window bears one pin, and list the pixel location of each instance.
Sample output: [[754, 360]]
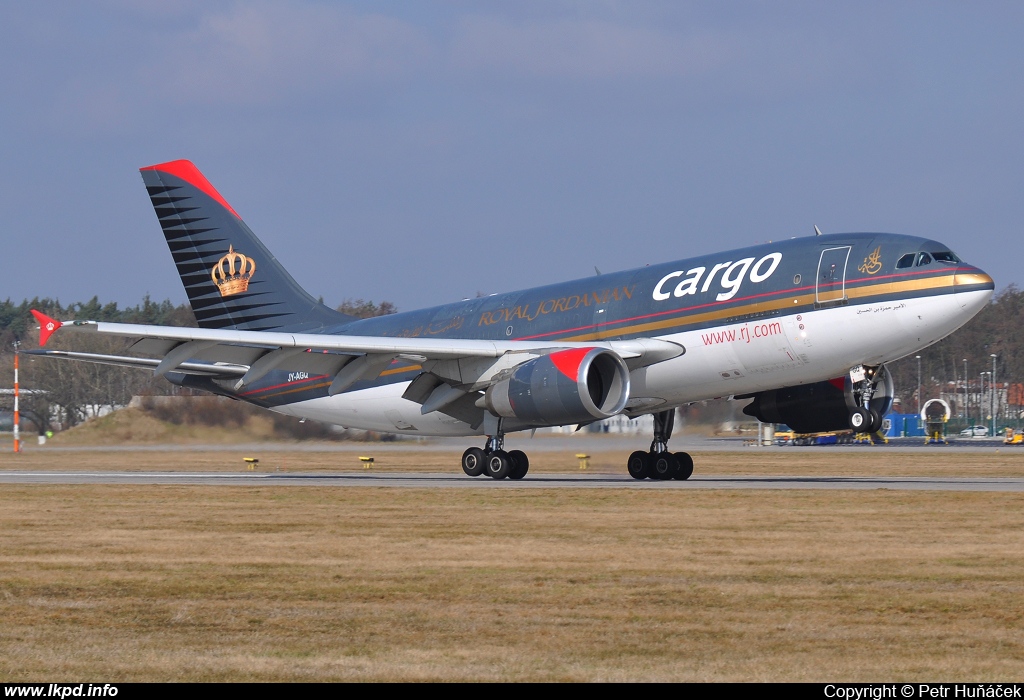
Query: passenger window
[[923, 259], [905, 262]]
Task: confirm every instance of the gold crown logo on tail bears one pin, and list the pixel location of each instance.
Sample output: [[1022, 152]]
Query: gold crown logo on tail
[[232, 273]]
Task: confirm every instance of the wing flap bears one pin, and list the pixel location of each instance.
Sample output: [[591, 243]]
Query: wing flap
[[294, 360], [237, 354], [153, 346], [204, 369]]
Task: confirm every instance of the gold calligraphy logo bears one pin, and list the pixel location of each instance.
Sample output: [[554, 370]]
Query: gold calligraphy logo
[[232, 273], [873, 262]]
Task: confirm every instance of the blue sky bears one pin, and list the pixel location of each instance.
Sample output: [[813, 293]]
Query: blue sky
[[423, 152]]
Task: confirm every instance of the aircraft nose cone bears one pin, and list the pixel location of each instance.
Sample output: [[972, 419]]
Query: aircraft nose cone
[[970, 276], [973, 287]]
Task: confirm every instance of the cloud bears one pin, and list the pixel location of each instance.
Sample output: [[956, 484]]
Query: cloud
[[135, 65], [582, 48], [740, 58], [263, 52]]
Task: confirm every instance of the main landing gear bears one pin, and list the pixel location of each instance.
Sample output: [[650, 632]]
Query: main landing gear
[[494, 461], [659, 463]]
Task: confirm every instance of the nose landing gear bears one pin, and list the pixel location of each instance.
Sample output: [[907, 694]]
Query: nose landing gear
[[659, 463], [866, 382], [865, 420]]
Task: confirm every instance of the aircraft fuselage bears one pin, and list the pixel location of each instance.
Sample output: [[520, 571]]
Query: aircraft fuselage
[[784, 313]]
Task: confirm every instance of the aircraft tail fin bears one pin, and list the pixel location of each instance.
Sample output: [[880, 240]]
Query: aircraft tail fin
[[231, 279]]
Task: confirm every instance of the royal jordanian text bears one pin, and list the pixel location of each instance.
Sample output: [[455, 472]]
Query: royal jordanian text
[[61, 690], [529, 312], [733, 274], [923, 690]]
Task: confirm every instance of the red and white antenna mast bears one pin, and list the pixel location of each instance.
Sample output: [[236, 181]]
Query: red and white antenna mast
[[17, 416]]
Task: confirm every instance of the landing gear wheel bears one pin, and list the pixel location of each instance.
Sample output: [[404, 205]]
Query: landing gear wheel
[[685, 466], [664, 466], [876, 421], [860, 420], [498, 464], [520, 464], [639, 465], [473, 461]]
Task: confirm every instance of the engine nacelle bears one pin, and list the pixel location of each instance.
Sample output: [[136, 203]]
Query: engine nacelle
[[580, 385], [819, 407]]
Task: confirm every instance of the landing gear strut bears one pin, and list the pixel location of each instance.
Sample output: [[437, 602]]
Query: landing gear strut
[[493, 460], [659, 463], [864, 418]]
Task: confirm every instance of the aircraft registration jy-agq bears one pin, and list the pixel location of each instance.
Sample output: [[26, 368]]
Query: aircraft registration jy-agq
[[803, 327]]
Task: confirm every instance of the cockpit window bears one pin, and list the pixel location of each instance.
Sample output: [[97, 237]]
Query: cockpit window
[[906, 261], [944, 257]]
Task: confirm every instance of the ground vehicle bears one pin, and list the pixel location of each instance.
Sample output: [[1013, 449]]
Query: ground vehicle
[[975, 431], [1013, 437], [787, 436]]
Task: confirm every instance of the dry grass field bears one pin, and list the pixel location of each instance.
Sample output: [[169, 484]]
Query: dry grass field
[[118, 583]]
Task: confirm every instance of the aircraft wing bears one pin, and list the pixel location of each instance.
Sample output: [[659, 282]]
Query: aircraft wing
[[247, 356]]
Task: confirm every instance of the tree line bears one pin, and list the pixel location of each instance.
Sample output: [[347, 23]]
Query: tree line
[[58, 394]]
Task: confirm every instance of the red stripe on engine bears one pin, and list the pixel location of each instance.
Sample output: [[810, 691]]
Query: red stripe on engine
[[568, 361]]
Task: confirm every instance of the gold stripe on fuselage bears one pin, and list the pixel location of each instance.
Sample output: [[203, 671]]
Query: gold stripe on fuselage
[[399, 370], [967, 280], [943, 282]]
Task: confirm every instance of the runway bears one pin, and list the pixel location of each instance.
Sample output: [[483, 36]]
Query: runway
[[540, 481], [587, 442]]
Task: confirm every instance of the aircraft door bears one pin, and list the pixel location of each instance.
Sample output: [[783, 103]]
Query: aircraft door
[[830, 285]]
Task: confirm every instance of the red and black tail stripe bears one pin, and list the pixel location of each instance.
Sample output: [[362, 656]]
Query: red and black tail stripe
[[203, 231]]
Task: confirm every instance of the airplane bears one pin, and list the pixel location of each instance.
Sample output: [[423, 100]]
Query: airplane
[[802, 327]]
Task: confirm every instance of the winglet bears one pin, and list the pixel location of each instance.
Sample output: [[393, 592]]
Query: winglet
[[47, 326]]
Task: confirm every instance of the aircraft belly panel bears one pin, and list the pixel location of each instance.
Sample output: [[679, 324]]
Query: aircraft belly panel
[[380, 408]]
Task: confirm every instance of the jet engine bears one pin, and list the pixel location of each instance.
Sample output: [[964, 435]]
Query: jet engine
[[580, 385], [822, 406]]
